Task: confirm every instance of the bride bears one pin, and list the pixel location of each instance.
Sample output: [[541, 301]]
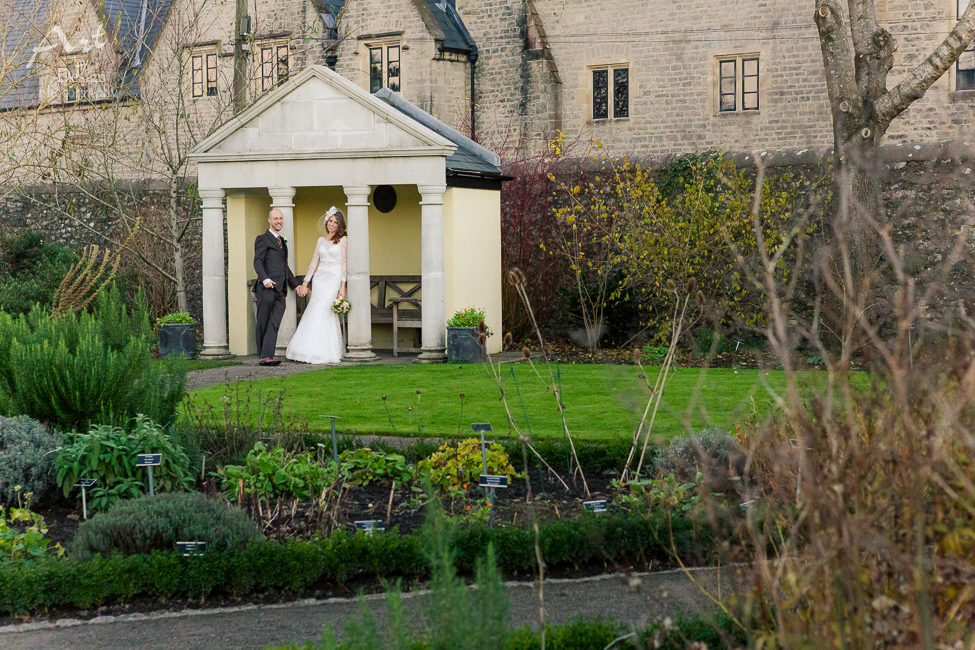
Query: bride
[[318, 338]]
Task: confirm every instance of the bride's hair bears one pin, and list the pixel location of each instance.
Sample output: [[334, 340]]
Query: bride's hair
[[340, 219]]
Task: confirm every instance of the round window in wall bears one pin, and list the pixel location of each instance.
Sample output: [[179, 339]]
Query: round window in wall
[[384, 198]]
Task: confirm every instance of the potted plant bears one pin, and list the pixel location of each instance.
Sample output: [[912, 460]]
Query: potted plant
[[177, 335], [462, 345]]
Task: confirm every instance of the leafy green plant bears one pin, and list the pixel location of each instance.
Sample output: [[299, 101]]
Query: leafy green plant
[[176, 318], [157, 522], [86, 368], [655, 354], [278, 473], [664, 494], [26, 450], [365, 466], [453, 467], [23, 537], [109, 454], [468, 317], [30, 271]]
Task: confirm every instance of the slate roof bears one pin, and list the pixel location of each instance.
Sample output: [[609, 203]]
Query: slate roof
[[125, 20], [444, 14], [456, 36], [29, 21], [470, 158], [21, 34]]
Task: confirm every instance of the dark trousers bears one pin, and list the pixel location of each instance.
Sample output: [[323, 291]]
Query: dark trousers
[[270, 310]]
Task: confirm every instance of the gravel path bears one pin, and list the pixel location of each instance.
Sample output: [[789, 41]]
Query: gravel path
[[253, 627], [249, 369]]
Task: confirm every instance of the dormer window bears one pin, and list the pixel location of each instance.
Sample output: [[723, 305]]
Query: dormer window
[[384, 66]]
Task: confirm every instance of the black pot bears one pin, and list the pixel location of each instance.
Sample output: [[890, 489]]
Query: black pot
[[177, 339], [462, 346]]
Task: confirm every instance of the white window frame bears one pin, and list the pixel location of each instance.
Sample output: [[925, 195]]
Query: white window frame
[[204, 73], [384, 48], [747, 83], [269, 63], [611, 82]]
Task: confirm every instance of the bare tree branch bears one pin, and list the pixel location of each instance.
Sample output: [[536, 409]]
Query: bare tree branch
[[914, 85]]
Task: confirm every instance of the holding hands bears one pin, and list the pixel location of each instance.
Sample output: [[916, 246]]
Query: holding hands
[[302, 291]]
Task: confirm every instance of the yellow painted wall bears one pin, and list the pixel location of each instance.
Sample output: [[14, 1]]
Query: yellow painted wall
[[472, 251], [472, 255], [246, 219], [394, 240], [394, 249]]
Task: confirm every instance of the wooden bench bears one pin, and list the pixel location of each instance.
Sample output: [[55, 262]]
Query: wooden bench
[[396, 302]]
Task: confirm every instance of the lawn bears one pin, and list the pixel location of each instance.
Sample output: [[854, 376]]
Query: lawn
[[601, 401]]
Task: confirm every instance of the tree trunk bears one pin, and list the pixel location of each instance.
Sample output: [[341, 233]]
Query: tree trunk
[[174, 229]]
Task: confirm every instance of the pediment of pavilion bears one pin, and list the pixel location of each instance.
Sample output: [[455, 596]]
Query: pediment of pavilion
[[319, 114]]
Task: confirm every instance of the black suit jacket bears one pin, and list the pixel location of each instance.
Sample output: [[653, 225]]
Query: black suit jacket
[[271, 262]]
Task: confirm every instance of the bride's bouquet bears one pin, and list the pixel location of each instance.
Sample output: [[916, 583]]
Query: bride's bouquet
[[341, 306]]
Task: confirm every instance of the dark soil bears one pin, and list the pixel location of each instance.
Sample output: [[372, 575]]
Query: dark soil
[[510, 507]]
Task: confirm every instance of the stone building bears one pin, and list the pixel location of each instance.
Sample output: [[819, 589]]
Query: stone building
[[648, 78]]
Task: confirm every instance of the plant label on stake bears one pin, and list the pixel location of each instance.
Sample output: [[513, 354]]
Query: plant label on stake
[[492, 481], [595, 507], [370, 525], [191, 548], [482, 427], [84, 484], [335, 445], [149, 461]]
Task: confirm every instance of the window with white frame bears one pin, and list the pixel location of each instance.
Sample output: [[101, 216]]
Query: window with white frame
[[965, 65], [738, 80], [384, 66], [274, 64], [610, 92], [203, 74], [79, 78]]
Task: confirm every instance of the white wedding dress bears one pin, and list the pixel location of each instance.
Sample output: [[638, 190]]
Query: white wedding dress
[[318, 338]]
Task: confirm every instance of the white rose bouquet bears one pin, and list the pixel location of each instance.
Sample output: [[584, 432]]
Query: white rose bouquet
[[341, 306]]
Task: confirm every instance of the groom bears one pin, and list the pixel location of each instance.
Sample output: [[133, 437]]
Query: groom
[[273, 279]]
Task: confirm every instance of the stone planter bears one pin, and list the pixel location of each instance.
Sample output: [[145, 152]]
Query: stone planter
[[462, 345], [177, 339]]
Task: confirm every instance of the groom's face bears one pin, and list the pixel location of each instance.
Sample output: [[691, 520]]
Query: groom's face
[[276, 220]]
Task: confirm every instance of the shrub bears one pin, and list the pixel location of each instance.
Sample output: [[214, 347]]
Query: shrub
[[365, 466], [26, 458], [157, 522], [713, 452], [451, 467], [30, 271], [80, 369], [278, 473], [109, 454]]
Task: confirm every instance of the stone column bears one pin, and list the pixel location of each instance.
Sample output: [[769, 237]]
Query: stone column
[[282, 199], [357, 280], [214, 278], [432, 271]]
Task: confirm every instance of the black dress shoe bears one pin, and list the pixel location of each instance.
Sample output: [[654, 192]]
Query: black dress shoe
[[269, 362]]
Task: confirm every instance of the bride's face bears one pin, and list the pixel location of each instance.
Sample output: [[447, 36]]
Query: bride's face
[[332, 225]]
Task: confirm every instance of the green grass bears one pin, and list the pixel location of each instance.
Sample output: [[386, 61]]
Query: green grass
[[601, 401]]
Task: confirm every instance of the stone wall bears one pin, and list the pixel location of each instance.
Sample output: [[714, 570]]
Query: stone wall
[[41, 210]]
